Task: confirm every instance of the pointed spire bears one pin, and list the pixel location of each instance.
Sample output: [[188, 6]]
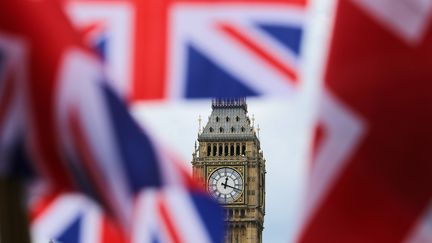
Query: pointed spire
[[199, 124], [253, 120], [258, 130]]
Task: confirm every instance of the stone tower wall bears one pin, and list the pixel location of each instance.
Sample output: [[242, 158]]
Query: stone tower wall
[[229, 140]]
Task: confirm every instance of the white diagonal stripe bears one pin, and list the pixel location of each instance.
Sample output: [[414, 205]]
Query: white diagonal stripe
[[422, 230], [408, 19]]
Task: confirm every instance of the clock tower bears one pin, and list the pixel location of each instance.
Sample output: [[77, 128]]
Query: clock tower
[[230, 165]]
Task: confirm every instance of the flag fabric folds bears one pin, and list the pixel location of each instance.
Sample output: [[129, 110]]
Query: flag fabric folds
[[60, 112], [80, 136], [177, 49], [371, 178]]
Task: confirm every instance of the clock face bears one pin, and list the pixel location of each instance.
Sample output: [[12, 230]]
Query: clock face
[[225, 184]]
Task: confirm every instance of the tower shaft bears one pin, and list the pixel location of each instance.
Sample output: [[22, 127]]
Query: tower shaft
[[230, 165]]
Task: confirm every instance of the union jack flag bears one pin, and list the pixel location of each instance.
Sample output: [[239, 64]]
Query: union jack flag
[[370, 181], [196, 49], [170, 50], [59, 110], [166, 215]]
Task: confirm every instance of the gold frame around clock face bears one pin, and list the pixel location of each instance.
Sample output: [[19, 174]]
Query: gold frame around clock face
[[226, 184]]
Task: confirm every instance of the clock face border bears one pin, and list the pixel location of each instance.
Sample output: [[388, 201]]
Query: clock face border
[[240, 169]]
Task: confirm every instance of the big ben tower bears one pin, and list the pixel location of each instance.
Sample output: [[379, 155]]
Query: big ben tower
[[230, 165]]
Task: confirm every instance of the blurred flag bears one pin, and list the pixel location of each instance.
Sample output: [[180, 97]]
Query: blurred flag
[[58, 109], [372, 175], [33, 62], [169, 214], [159, 49], [72, 217], [181, 49]]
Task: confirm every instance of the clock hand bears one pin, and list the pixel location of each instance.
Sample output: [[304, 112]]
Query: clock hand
[[234, 188], [226, 181], [226, 185]]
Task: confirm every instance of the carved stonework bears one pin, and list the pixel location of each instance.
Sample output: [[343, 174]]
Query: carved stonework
[[229, 164]]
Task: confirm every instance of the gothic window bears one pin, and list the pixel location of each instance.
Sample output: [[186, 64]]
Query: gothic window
[[227, 119], [211, 129], [238, 149], [214, 150], [237, 118], [242, 129], [243, 152], [232, 150], [226, 150], [220, 149], [208, 149], [217, 119], [221, 129], [232, 129], [242, 213]]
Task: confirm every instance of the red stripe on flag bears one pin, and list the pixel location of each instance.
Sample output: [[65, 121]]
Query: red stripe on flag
[[299, 3], [317, 140], [151, 34], [111, 231], [88, 32], [260, 51], [150, 50], [167, 219], [39, 207]]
